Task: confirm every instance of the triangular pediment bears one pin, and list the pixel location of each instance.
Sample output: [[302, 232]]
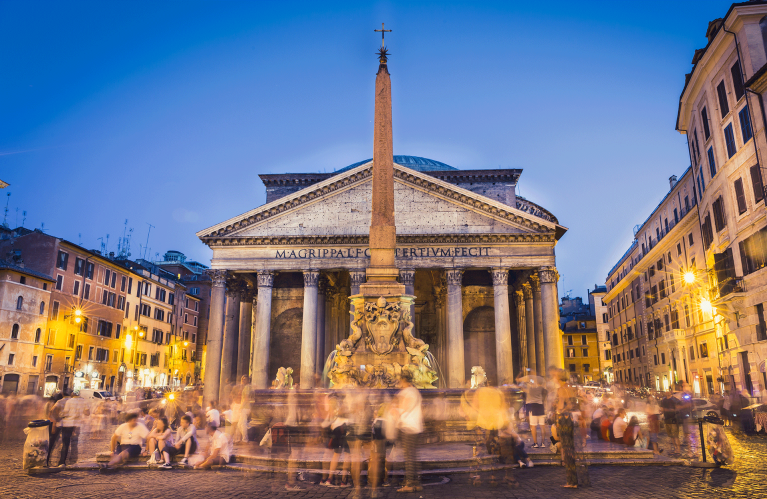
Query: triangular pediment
[[341, 206]]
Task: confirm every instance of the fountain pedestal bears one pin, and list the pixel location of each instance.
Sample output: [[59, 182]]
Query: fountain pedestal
[[381, 346]]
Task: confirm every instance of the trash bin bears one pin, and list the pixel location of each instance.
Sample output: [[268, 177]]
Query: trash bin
[[36, 445]]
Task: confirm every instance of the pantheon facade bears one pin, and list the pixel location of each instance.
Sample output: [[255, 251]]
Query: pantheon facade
[[479, 259]]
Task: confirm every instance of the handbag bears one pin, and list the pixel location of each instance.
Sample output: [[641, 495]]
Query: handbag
[[267, 440]]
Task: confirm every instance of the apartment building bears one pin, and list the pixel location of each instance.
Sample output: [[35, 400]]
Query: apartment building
[[25, 296], [156, 353], [598, 309], [198, 287], [581, 349], [88, 302], [721, 112]]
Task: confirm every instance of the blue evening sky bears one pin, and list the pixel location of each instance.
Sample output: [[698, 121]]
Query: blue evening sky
[[166, 112]]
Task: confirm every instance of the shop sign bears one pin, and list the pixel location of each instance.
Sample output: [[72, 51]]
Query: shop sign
[[94, 374], [79, 374]]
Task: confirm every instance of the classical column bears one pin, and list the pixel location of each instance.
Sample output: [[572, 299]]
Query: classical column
[[246, 331], [356, 278], [407, 277], [540, 342], [530, 328], [259, 367], [231, 330], [440, 294], [331, 330], [519, 301], [550, 312], [504, 364], [309, 329], [215, 336], [319, 364], [457, 374]]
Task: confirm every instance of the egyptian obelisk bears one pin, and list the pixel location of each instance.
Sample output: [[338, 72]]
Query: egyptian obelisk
[[382, 273]]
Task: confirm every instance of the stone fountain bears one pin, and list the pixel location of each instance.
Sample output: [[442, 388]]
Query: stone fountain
[[382, 346]]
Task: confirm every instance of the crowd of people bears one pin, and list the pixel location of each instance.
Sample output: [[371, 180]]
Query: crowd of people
[[357, 428]]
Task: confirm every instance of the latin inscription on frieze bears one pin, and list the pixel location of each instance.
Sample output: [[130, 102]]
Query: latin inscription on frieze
[[426, 252]]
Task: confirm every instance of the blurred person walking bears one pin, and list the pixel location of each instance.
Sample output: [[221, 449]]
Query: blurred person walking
[[565, 405], [653, 411], [535, 395], [72, 411], [408, 408]]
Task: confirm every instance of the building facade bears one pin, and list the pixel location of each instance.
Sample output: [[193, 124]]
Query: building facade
[[108, 323], [465, 256], [721, 111], [87, 306], [598, 309], [198, 289], [580, 348], [25, 296]]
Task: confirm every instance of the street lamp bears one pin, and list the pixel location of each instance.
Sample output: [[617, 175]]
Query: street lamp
[[689, 277], [705, 306]]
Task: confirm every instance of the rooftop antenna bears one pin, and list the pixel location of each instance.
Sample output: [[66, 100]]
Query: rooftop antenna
[[157, 257], [106, 246], [42, 227], [79, 239], [17, 216], [127, 242], [24, 217], [5, 219], [103, 247], [147, 238]]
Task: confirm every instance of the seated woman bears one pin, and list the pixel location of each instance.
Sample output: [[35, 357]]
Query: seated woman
[[158, 439], [632, 432]]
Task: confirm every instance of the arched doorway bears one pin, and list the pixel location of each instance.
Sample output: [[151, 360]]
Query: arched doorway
[[285, 342], [10, 384], [479, 342]]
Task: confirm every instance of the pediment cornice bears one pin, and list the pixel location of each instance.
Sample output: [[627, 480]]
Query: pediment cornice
[[476, 202]]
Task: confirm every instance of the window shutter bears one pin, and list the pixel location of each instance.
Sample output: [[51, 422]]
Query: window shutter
[[724, 107], [737, 81], [756, 182], [740, 196]]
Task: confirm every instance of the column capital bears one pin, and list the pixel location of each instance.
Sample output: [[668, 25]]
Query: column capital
[[323, 284], [454, 277], [527, 291], [218, 277], [519, 296], [407, 276], [265, 278], [548, 275], [311, 278], [357, 277], [535, 283], [500, 276]]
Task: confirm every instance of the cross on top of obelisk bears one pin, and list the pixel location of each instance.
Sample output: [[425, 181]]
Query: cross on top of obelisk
[[383, 32]]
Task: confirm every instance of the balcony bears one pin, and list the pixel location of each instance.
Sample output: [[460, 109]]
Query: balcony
[[674, 335]]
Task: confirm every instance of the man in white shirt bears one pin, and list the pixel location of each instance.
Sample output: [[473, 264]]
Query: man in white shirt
[[127, 441], [408, 407], [219, 448], [72, 411], [212, 415]]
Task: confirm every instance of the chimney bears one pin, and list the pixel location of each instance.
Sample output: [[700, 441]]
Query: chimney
[[713, 28], [671, 182]]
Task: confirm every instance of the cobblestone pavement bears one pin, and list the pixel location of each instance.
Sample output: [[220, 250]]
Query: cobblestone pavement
[[747, 478]]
